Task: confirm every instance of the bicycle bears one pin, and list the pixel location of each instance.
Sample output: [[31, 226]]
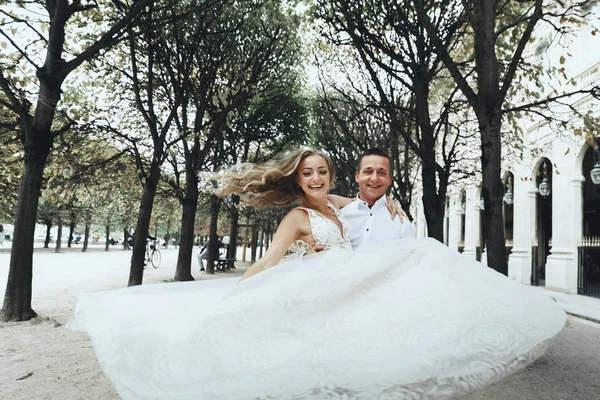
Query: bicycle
[[152, 254]]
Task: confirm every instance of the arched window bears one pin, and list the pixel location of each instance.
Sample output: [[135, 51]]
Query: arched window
[[509, 212], [588, 281], [543, 239]]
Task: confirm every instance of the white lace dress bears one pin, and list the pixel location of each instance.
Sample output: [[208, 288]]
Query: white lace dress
[[412, 320], [325, 232]]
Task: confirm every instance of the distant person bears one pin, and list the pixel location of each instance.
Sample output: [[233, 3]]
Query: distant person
[[131, 239], [203, 255]]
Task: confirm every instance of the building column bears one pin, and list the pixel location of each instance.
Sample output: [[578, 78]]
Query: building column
[[421, 230], [577, 232], [519, 263], [471, 225], [561, 266], [446, 226], [454, 229]]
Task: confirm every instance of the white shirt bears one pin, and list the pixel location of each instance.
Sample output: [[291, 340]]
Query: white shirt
[[374, 225]]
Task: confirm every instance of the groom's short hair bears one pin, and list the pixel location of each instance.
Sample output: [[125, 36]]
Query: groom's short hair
[[374, 151]]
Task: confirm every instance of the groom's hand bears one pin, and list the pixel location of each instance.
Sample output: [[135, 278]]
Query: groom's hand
[[395, 209], [401, 213]]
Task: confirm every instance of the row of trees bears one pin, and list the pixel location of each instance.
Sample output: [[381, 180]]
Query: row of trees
[[186, 87]]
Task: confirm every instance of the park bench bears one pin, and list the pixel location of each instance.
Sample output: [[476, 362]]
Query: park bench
[[223, 263]]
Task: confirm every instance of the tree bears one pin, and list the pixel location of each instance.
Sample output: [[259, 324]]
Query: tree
[[38, 129], [501, 32], [198, 64]]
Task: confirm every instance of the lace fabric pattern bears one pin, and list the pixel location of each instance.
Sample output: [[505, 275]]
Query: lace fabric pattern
[[298, 249], [409, 320], [325, 231]]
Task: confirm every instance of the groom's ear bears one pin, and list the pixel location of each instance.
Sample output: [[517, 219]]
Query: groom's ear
[[356, 176]]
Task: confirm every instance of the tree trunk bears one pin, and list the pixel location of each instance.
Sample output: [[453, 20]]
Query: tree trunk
[[233, 231], [269, 235], [245, 244], [17, 297], [254, 240], [71, 229], [86, 237], [47, 240], [492, 192], [107, 244], [142, 227], [59, 236], [213, 247], [262, 241], [168, 235], [183, 270], [37, 144], [432, 204], [489, 115], [125, 238]]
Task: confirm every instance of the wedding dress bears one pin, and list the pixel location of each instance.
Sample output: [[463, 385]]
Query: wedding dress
[[412, 320]]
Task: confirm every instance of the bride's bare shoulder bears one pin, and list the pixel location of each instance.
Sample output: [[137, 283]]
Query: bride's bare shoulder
[[297, 219], [298, 214]]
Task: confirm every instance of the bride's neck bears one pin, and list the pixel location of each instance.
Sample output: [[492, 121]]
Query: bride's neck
[[315, 204]]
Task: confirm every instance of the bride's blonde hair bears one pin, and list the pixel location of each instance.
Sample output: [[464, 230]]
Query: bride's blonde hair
[[272, 183]]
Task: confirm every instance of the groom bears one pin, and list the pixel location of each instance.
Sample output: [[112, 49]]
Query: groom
[[369, 217]]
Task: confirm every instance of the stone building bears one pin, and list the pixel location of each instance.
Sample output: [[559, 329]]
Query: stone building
[[552, 191]]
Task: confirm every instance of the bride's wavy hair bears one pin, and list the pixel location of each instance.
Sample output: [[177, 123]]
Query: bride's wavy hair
[[272, 183]]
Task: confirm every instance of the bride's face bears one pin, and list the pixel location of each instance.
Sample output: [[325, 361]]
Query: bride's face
[[313, 176]]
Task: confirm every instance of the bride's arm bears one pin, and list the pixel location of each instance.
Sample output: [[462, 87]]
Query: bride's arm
[[288, 231], [339, 201]]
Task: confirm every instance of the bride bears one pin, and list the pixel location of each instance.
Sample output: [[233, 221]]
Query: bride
[[408, 320]]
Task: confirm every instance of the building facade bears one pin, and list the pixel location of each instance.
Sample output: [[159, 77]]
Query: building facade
[[552, 204]]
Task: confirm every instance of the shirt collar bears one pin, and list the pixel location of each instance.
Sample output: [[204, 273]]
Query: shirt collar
[[363, 204]]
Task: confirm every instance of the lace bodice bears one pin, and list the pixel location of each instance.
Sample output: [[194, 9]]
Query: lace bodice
[[325, 231]]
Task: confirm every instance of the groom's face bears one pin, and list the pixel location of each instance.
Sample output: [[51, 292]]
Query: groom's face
[[373, 178]]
